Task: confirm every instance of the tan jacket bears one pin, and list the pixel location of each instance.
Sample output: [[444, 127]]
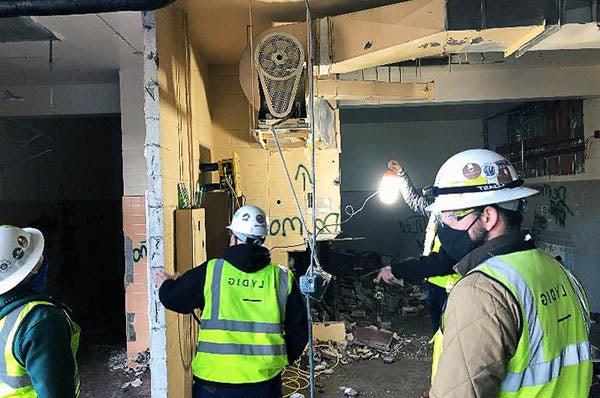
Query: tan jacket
[[482, 327]]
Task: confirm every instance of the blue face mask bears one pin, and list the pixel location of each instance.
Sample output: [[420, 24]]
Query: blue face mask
[[39, 282]]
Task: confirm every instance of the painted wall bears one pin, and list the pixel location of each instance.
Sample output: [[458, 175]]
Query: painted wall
[[421, 147], [133, 127]]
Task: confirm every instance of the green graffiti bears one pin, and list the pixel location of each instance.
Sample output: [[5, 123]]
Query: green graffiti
[[303, 171], [285, 226]]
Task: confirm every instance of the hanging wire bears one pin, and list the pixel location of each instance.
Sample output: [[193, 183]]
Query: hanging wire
[[252, 76], [51, 71], [310, 238], [313, 257], [350, 212]]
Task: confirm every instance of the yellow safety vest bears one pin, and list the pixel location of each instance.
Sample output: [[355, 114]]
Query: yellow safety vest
[[14, 380], [552, 358], [241, 336], [433, 245]]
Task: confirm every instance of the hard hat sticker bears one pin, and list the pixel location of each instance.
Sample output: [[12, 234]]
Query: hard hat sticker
[[471, 171], [18, 253], [5, 266], [504, 175], [23, 241], [490, 170]]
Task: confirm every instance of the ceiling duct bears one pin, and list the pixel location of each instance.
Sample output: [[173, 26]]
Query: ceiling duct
[[20, 8], [24, 29]]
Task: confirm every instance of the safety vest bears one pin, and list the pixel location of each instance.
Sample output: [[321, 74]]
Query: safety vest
[[14, 380], [433, 245], [552, 358], [241, 336]]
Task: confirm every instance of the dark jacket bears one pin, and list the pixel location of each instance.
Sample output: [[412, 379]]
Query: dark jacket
[[186, 293], [43, 345], [416, 268]]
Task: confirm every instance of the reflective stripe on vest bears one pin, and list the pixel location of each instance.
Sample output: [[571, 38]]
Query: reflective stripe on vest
[[8, 329], [214, 323], [241, 349], [539, 371], [14, 381], [433, 245]]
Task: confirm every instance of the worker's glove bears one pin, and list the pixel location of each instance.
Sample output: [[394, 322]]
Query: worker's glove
[[395, 166], [385, 275]]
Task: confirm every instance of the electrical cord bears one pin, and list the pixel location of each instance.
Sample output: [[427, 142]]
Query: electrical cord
[[350, 212], [309, 239], [287, 247], [296, 379]]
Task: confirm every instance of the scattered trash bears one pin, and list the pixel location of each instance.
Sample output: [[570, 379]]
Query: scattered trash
[[297, 395], [371, 337], [349, 392], [136, 383], [388, 359]]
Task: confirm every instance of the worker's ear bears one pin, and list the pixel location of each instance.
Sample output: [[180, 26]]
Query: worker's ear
[[489, 218]]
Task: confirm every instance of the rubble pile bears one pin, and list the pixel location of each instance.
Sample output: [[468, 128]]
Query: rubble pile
[[369, 343], [133, 369], [356, 298]]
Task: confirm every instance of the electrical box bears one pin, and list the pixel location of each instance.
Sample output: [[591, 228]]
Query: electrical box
[[190, 239]]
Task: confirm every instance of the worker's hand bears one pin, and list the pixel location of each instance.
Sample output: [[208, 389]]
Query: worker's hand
[[160, 276], [425, 394], [385, 274], [395, 166]]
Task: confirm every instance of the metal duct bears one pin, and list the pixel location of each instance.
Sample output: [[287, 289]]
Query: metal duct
[[19, 8]]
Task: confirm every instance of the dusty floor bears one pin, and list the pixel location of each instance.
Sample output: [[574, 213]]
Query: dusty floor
[[406, 377], [100, 380]]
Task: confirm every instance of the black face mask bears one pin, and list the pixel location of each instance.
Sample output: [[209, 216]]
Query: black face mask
[[457, 242]]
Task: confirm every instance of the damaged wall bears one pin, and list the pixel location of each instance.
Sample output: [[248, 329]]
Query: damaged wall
[[564, 217], [262, 177]]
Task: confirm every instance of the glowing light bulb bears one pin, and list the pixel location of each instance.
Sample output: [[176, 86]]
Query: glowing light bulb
[[389, 188]]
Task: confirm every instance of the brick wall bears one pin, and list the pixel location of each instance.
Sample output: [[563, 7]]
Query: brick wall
[[136, 286]]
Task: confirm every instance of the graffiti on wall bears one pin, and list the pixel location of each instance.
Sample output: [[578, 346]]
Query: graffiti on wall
[[558, 206], [415, 226], [141, 252], [289, 225], [302, 172]]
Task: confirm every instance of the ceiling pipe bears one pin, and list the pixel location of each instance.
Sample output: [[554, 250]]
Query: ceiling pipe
[[21, 8]]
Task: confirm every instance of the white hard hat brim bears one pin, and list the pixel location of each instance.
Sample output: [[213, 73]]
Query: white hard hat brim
[[37, 250], [476, 199]]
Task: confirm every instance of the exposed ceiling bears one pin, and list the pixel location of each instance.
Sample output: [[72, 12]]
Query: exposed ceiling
[[223, 42], [90, 50]]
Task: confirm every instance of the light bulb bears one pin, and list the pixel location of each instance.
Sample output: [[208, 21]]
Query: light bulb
[[389, 188]]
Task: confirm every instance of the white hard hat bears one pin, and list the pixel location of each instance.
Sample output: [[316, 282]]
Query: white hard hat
[[249, 222], [20, 251], [477, 177]]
